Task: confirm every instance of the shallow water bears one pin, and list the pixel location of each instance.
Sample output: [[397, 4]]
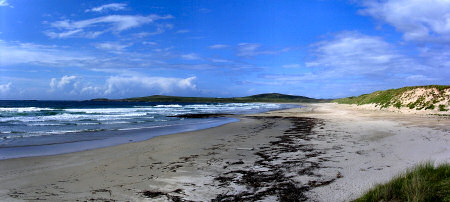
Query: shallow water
[[34, 128]]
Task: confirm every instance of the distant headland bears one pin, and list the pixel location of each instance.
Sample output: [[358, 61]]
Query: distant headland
[[266, 97]]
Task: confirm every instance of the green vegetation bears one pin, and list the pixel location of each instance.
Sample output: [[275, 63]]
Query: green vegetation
[[442, 108], [421, 183], [430, 107], [398, 105], [268, 97], [391, 97]]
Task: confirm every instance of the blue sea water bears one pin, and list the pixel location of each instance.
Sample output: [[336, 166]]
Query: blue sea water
[[35, 128]]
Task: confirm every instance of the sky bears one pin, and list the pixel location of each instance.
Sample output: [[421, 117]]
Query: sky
[[75, 50]]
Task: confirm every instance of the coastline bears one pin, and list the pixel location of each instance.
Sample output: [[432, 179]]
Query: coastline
[[58, 127], [325, 151], [104, 139]]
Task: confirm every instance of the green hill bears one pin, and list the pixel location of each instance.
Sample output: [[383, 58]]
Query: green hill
[[267, 97], [432, 97]]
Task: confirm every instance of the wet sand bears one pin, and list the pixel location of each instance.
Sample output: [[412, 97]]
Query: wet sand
[[324, 152]]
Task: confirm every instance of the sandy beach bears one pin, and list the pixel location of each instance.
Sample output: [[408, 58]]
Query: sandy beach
[[323, 152]]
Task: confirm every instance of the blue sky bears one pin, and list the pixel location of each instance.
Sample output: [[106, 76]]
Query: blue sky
[[52, 49]]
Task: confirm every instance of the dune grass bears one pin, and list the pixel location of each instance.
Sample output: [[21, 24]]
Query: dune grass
[[421, 183], [391, 97]]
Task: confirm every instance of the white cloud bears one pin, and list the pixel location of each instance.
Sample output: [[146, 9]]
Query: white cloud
[[254, 49], [420, 78], [74, 85], [218, 46], [3, 3], [141, 34], [437, 56], [191, 56], [357, 54], [424, 22], [106, 7], [160, 28], [4, 88], [350, 63], [110, 23], [417, 19], [28, 53], [68, 33], [16, 53], [62, 83], [354, 63], [112, 46], [93, 90], [291, 66], [248, 49], [149, 43], [124, 84]]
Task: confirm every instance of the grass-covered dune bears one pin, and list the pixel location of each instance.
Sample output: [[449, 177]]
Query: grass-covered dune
[[432, 97], [421, 183], [267, 97]]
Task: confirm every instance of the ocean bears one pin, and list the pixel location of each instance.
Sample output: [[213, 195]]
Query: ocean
[[37, 128]]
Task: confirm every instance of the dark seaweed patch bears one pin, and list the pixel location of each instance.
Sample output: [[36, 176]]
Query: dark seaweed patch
[[273, 181]]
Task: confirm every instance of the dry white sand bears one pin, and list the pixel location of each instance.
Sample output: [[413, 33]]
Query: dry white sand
[[335, 154], [373, 146]]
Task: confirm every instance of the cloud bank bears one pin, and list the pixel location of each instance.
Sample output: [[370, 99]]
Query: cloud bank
[[119, 85], [418, 20], [163, 85]]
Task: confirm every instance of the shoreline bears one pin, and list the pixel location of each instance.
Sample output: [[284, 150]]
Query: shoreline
[[138, 135], [57, 127], [320, 152]]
